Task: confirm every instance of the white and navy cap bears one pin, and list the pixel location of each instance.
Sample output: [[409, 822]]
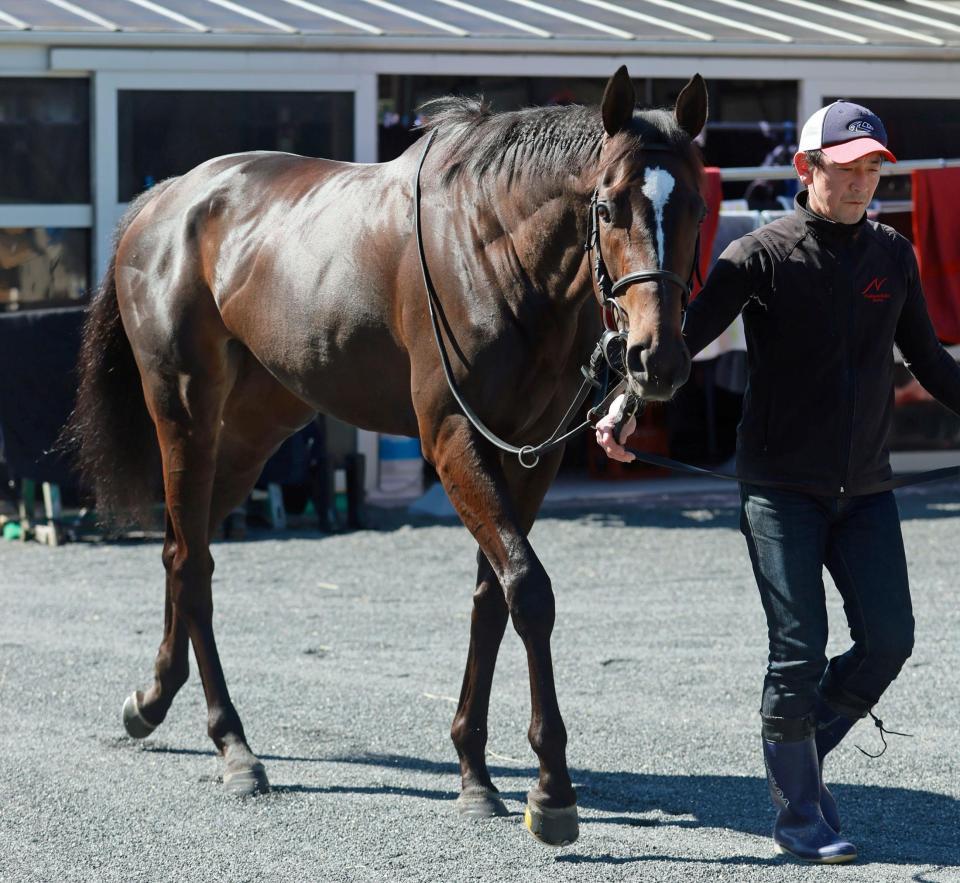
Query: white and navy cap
[[844, 132]]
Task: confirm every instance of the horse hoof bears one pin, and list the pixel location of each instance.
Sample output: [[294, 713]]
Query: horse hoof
[[477, 802], [134, 722], [555, 827], [243, 774]]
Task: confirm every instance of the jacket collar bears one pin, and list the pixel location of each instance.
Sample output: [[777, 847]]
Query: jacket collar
[[823, 228]]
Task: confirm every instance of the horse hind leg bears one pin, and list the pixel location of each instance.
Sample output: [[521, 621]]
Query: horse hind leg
[[145, 710], [257, 415], [186, 391]]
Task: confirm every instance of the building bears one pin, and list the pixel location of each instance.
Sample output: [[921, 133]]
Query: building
[[100, 98]]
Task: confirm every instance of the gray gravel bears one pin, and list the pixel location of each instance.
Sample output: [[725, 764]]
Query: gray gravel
[[344, 655]]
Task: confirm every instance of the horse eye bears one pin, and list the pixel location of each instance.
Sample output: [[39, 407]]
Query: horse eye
[[603, 212]]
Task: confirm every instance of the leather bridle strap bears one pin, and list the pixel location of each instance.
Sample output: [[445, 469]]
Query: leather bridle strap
[[528, 455], [648, 276]]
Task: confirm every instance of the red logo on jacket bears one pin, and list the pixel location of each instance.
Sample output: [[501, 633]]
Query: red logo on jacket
[[873, 293]]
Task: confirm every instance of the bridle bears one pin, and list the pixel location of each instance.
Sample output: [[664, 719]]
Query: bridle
[[614, 340], [615, 325]]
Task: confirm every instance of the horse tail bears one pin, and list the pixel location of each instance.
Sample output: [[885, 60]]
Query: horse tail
[[110, 429]]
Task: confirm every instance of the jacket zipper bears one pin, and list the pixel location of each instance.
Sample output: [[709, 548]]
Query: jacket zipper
[[851, 377]]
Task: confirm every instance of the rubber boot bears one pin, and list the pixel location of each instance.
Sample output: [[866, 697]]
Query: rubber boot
[[831, 728], [800, 830]]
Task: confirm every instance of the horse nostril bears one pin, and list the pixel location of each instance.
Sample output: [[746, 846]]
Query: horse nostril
[[635, 359]]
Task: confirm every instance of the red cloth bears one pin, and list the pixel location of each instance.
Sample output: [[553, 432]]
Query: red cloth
[[711, 188], [936, 237]]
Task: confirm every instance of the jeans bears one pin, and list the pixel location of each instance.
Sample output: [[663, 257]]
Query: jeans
[[791, 537]]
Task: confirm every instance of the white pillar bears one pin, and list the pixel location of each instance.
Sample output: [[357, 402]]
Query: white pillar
[[104, 170]]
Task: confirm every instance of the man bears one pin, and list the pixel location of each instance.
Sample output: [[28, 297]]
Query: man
[[824, 294]]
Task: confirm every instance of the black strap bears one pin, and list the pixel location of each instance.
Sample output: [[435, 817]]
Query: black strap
[[528, 455], [649, 276], [632, 405], [876, 488]]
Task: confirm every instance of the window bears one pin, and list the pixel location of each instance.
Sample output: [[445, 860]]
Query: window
[[917, 128], [401, 96], [43, 266], [164, 133], [749, 119], [44, 140]]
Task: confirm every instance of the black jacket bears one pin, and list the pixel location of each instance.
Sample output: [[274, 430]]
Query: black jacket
[[823, 304]]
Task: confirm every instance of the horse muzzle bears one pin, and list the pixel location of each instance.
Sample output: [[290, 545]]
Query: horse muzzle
[[656, 373]]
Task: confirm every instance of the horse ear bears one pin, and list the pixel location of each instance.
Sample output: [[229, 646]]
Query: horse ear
[[618, 102], [691, 109]]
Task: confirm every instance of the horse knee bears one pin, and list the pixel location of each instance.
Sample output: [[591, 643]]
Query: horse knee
[[489, 605], [532, 605]]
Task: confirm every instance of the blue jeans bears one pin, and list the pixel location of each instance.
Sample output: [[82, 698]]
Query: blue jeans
[[791, 537]]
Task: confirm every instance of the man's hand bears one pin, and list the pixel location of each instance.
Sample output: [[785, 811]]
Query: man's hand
[[613, 447]]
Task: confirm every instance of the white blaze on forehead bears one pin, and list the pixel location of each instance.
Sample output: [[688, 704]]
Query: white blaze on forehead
[[657, 187]]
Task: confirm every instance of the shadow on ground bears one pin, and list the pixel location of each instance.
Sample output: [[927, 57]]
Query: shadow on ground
[[891, 825]]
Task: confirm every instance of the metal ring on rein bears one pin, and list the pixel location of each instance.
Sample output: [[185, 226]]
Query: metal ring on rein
[[528, 449]]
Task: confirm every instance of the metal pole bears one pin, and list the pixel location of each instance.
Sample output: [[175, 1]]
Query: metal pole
[[782, 173]]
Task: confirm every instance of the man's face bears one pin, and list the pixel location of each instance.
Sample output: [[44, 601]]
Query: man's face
[[840, 192]]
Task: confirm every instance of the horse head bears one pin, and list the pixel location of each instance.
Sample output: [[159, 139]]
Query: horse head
[[648, 210]]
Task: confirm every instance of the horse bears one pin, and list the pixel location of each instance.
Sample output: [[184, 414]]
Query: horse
[[258, 289]]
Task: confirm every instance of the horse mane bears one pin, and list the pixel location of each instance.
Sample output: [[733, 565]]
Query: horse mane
[[541, 141]]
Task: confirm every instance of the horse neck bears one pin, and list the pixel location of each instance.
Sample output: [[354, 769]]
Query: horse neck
[[545, 225]]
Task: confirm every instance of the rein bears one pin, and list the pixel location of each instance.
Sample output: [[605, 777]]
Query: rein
[[876, 488], [528, 455], [607, 356], [610, 349], [628, 408]]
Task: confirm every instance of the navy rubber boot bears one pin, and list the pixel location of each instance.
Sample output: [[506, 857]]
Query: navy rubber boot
[[831, 728], [793, 773]]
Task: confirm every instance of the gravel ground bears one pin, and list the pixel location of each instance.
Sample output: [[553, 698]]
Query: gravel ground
[[344, 655]]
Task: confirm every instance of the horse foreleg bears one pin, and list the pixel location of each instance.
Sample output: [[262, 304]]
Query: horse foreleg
[[478, 797], [475, 481]]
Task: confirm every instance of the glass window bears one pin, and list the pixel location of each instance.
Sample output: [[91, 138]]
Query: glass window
[[917, 128], [400, 96], [751, 122], [43, 267], [44, 140], [168, 133]]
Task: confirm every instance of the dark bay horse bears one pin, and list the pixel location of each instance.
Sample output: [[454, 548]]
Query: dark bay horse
[[260, 288]]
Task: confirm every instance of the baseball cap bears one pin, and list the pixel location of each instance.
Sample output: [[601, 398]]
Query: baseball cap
[[845, 131]]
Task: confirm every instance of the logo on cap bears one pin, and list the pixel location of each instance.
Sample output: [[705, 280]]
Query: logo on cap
[[860, 126]]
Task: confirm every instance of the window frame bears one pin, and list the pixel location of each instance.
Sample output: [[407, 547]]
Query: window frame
[[73, 216], [108, 209]]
